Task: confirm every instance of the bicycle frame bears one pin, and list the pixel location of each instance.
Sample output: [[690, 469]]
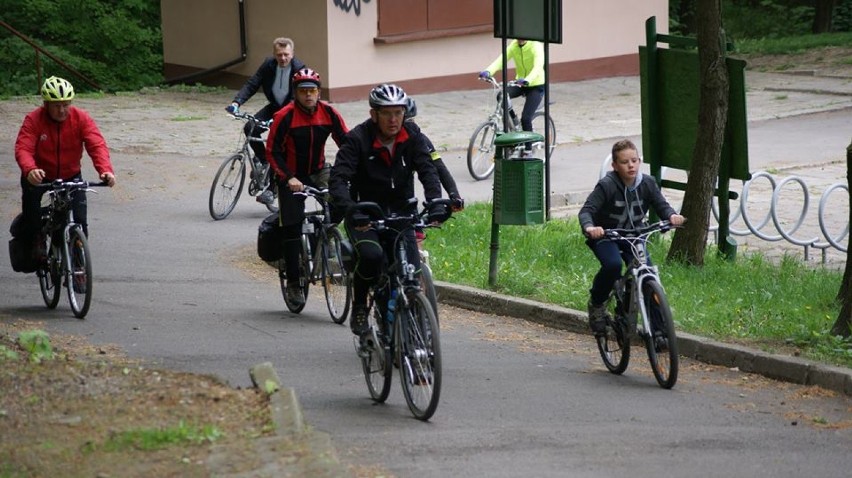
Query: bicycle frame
[[259, 175], [641, 271]]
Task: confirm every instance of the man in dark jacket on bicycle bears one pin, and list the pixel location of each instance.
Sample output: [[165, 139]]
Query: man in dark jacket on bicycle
[[376, 163], [296, 146], [275, 76]]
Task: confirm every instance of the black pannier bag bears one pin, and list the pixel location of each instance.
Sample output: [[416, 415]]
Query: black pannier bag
[[270, 239], [23, 253]]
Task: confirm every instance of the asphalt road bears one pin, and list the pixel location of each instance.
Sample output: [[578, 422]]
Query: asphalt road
[[518, 399]]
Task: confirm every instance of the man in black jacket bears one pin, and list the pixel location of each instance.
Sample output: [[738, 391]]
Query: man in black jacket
[[376, 163], [275, 76]]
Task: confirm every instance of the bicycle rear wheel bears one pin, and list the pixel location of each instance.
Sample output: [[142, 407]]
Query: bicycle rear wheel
[[538, 126], [227, 186], [79, 277], [48, 273], [335, 280], [661, 340], [418, 352], [480, 151], [614, 344], [377, 362]]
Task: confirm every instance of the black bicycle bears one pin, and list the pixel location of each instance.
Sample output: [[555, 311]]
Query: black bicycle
[[641, 309], [231, 177], [67, 259], [320, 260], [404, 329]]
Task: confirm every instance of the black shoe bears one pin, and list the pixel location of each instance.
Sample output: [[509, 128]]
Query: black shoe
[[597, 318], [358, 322], [266, 197], [294, 295]]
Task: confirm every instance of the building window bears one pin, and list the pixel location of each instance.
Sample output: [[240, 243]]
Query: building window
[[408, 20]]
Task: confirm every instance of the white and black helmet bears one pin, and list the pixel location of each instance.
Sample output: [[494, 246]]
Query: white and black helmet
[[387, 95]]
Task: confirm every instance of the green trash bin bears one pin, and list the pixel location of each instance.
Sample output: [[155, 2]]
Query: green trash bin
[[518, 182]]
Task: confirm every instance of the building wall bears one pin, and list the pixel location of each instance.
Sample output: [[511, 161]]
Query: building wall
[[599, 39]]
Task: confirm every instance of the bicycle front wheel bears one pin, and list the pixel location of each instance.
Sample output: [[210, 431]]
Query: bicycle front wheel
[[335, 280], [418, 352], [48, 273], [79, 276], [538, 126], [376, 361], [661, 340], [227, 186], [480, 151], [428, 287]]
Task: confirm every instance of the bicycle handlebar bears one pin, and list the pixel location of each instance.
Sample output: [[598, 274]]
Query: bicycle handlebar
[[496, 84], [58, 184], [661, 227], [250, 117], [377, 218]]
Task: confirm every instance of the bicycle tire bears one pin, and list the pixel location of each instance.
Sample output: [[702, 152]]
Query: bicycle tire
[[335, 281], [660, 341], [79, 276], [480, 151], [227, 186], [537, 121], [427, 285], [377, 365], [418, 353], [304, 272], [614, 344], [48, 274]]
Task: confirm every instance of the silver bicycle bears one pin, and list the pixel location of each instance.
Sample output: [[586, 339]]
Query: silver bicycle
[[480, 150], [231, 176], [640, 309]]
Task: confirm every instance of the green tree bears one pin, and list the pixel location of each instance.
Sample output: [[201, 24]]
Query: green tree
[[843, 324], [690, 242], [115, 43]]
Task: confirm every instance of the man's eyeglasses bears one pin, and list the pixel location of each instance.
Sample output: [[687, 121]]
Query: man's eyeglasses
[[313, 90]]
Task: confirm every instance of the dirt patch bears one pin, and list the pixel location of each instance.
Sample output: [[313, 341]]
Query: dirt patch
[[89, 411], [829, 61]]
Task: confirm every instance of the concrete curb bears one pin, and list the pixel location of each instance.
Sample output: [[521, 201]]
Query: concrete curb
[[318, 458], [778, 367]]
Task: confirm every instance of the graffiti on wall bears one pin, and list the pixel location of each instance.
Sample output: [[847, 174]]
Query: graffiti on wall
[[350, 5]]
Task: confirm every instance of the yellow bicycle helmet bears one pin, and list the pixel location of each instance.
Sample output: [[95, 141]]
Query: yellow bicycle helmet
[[57, 89]]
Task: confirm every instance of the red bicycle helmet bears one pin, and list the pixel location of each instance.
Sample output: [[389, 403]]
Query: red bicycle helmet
[[306, 77]]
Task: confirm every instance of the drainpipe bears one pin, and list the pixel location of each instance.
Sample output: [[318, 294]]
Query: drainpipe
[[216, 69]]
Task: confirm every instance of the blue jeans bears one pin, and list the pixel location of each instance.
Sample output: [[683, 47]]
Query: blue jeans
[[611, 254]]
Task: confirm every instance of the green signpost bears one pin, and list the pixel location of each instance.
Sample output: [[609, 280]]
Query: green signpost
[[670, 95], [522, 188]]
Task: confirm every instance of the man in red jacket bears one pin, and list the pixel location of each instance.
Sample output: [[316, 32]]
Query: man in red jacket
[[50, 146], [296, 148]]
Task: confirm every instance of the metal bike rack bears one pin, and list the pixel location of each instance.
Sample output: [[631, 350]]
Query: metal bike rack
[[788, 232]]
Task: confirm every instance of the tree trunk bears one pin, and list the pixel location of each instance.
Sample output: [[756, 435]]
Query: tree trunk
[[844, 321], [823, 14], [690, 242]]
